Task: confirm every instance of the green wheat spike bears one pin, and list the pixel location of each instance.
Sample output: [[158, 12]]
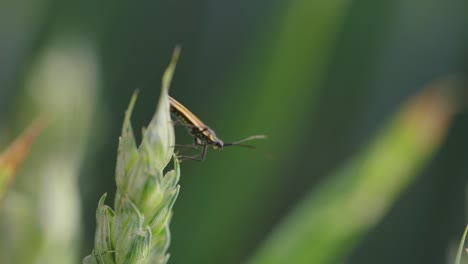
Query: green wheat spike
[[137, 230]]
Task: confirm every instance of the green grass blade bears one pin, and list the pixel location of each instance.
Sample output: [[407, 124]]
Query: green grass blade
[[328, 223], [461, 246]]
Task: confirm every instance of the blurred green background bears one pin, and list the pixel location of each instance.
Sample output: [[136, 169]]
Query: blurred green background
[[320, 78]]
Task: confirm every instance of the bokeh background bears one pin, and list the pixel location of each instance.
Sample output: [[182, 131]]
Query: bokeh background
[[320, 78]]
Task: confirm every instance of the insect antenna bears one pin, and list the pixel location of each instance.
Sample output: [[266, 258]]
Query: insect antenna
[[238, 143]]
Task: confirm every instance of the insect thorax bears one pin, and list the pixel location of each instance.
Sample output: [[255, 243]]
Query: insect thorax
[[206, 136]]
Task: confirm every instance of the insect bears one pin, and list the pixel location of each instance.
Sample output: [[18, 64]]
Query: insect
[[203, 136]]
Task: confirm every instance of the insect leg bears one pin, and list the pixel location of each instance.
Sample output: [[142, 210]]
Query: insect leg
[[198, 157], [178, 123]]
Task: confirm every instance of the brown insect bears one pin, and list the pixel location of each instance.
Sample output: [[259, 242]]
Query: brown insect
[[203, 136]]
